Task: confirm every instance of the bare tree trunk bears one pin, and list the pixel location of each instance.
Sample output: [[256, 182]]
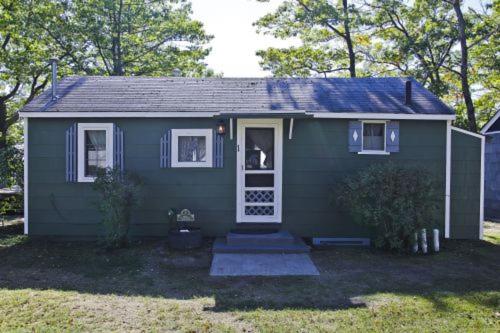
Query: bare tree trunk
[[3, 125], [350, 48], [117, 43], [464, 65]]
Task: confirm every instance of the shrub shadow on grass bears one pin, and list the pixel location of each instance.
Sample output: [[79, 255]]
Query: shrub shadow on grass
[[348, 276]]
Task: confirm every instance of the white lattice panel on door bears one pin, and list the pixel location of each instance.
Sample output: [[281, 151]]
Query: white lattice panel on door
[[259, 210], [260, 196]]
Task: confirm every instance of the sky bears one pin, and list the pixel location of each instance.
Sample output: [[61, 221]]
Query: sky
[[235, 39]]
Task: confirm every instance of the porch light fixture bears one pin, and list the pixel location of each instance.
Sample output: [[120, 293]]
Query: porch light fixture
[[221, 128]]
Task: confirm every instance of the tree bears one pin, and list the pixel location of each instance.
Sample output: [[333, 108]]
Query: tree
[[134, 37], [474, 29], [413, 39], [23, 57], [485, 63], [328, 31]]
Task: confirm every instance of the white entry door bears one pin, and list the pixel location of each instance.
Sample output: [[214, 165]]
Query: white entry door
[[259, 176]]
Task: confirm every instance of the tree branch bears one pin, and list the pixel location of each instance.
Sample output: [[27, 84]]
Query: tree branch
[[329, 25], [12, 93]]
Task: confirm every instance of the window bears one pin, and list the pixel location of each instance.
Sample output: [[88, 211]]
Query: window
[[259, 148], [374, 137], [192, 148], [95, 150]]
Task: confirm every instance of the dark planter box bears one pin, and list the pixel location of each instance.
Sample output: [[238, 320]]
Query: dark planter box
[[184, 240]]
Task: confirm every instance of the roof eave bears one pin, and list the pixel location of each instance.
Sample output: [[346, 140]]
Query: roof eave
[[299, 114]]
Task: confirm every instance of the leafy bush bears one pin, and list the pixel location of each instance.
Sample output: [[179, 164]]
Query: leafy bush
[[11, 174], [11, 167], [393, 200], [119, 194]]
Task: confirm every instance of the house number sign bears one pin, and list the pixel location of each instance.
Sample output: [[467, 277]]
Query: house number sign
[[185, 216]]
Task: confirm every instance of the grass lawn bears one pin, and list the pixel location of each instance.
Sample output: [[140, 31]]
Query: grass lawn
[[46, 286]]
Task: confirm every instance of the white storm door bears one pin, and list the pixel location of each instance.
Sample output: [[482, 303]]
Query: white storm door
[[259, 170]]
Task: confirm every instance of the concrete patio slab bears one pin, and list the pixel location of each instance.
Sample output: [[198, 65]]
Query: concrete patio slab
[[239, 264]]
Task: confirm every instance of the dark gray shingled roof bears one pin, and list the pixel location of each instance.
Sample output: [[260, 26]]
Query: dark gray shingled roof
[[237, 95]]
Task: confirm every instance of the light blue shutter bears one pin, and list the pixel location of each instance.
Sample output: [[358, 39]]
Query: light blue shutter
[[71, 142], [118, 148], [165, 150], [218, 151], [392, 137], [355, 136]]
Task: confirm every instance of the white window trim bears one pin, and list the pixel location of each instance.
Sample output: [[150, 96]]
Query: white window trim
[[82, 127], [374, 152], [207, 133]]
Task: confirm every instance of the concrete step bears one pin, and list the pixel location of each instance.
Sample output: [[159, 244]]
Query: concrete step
[[260, 238], [298, 246]]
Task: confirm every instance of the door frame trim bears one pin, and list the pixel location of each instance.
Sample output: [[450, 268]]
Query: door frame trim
[[277, 124]]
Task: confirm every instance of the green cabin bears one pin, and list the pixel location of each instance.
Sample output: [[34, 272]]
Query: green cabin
[[239, 153]]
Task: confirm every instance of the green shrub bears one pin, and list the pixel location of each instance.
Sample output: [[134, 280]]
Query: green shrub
[[119, 193], [11, 174], [11, 167], [392, 200]]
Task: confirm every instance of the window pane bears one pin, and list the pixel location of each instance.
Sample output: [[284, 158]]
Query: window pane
[[259, 180], [95, 152], [259, 149], [192, 148], [373, 136]]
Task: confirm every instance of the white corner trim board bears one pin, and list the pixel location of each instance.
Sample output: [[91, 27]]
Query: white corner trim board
[[481, 193], [159, 114], [491, 133], [479, 136], [26, 226], [447, 193], [490, 123]]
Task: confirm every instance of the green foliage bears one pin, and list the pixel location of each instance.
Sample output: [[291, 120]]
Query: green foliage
[[11, 167], [302, 61], [11, 174], [119, 192], [330, 33], [395, 201], [25, 48], [413, 39], [136, 37], [391, 38]]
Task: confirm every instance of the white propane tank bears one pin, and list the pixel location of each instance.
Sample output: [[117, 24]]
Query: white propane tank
[[423, 240], [414, 248], [436, 240]]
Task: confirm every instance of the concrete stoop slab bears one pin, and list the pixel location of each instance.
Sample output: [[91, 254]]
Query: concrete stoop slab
[[265, 264]]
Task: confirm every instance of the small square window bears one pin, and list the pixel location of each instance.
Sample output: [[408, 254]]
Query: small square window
[[373, 137], [192, 148], [95, 144]]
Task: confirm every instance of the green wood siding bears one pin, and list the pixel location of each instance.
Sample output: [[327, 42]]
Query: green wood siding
[[465, 186], [313, 162]]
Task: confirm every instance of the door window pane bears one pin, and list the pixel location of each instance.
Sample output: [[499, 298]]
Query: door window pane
[[95, 152], [259, 180], [259, 149], [192, 148], [373, 136]]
